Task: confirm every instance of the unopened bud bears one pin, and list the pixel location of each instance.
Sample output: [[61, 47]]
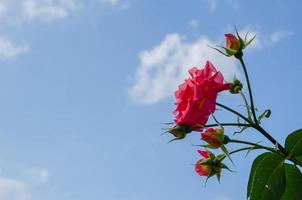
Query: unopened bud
[[236, 86]]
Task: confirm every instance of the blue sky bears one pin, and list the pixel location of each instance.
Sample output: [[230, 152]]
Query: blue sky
[[85, 85]]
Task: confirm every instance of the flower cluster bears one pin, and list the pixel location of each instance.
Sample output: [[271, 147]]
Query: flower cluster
[[196, 103]]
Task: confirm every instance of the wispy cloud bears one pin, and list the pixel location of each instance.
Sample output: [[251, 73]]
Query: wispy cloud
[[19, 182], [48, 10], [14, 189], [19, 12], [164, 66], [279, 35], [15, 13], [9, 49]]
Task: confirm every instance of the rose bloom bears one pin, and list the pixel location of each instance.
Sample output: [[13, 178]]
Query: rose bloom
[[196, 97], [232, 42], [203, 169], [214, 137]]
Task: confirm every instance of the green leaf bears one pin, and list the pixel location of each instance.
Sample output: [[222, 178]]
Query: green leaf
[[293, 143], [293, 183], [253, 170], [267, 177]]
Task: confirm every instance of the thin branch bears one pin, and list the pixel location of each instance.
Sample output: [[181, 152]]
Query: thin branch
[[235, 112], [249, 89]]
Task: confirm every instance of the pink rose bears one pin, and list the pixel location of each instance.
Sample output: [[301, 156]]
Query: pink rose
[[196, 97]]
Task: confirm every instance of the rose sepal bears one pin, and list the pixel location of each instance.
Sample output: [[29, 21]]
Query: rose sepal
[[179, 132]]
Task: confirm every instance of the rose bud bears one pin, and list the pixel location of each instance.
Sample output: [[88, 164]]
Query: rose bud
[[180, 132], [214, 137], [209, 165], [201, 167], [232, 42], [235, 45], [236, 86]]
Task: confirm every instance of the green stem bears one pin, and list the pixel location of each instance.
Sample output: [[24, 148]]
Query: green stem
[[227, 124], [238, 150], [271, 139], [246, 104], [257, 127], [235, 112], [249, 89], [243, 149], [253, 144]]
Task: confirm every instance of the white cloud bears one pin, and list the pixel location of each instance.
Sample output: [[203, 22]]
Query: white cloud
[[9, 49], [279, 35], [11, 189], [20, 11], [16, 13], [165, 66], [19, 182], [47, 10]]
